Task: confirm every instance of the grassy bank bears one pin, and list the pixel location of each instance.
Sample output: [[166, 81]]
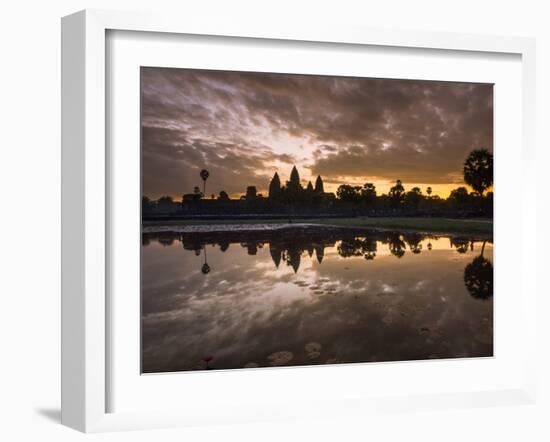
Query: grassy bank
[[418, 224]]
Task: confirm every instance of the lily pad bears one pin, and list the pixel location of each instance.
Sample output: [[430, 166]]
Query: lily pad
[[312, 347], [280, 358]]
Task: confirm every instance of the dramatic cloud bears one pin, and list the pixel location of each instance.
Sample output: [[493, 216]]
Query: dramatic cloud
[[243, 127]]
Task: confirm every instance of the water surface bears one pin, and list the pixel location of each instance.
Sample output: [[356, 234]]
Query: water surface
[[305, 296]]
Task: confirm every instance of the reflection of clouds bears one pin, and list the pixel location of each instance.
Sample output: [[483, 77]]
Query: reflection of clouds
[[358, 310], [420, 285]]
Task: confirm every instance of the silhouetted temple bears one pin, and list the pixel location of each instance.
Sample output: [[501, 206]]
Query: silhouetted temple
[[281, 198], [293, 198], [293, 189]]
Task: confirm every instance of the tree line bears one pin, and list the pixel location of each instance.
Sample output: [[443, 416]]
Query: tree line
[[349, 199]]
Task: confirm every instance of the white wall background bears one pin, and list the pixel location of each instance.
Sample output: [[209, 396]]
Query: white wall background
[[30, 215]]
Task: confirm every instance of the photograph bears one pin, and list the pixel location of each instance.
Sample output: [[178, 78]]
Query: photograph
[[300, 220]]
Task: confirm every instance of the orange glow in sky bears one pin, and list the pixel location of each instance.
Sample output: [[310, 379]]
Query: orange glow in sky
[[242, 127]]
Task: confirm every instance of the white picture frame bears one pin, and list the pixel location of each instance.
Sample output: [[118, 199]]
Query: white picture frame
[[85, 197]]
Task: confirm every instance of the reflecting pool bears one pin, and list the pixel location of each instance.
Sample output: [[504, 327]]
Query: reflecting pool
[[305, 295]]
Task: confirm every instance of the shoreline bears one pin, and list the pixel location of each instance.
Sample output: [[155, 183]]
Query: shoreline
[[427, 226]]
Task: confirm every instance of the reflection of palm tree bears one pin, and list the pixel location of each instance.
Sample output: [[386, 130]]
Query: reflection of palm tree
[[205, 269], [224, 245], [478, 277], [207, 360]]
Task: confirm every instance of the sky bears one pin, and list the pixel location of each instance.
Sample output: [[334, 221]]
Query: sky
[[243, 127]]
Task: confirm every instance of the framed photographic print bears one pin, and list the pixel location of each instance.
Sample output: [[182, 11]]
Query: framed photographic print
[[268, 222], [240, 271]]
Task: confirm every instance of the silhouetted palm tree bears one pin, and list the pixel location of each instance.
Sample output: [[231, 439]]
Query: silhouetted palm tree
[[478, 170], [204, 175]]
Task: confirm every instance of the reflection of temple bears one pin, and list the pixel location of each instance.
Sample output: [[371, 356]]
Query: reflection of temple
[[291, 252], [251, 246], [319, 252], [290, 245], [276, 253], [292, 257]]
